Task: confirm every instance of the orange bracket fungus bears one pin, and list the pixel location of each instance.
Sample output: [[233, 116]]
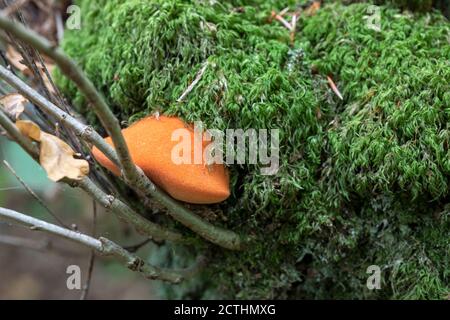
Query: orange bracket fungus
[[151, 145]]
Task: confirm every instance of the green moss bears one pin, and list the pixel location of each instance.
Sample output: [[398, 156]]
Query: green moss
[[362, 181]]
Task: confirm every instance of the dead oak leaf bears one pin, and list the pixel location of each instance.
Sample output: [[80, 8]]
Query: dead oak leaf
[[57, 159], [56, 156], [13, 104], [29, 129]]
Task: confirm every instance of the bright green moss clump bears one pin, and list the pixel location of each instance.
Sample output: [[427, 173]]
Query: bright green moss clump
[[363, 181]]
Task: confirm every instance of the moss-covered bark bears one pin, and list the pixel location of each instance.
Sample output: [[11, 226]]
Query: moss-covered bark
[[363, 181]]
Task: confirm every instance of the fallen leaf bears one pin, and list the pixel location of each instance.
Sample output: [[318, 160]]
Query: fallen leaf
[[29, 129], [13, 104], [56, 156]]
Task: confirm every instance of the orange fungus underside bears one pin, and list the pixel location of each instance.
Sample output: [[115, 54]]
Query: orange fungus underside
[[150, 144]]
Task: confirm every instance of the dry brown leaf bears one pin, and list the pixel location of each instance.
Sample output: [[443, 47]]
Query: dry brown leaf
[[13, 104], [57, 159], [56, 156], [29, 129]]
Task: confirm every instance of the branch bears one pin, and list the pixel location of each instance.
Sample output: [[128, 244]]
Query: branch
[[102, 246], [45, 246], [17, 136], [87, 285], [134, 248], [198, 77], [82, 131], [224, 238], [133, 175], [125, 213], [74, 73], [118, 207]]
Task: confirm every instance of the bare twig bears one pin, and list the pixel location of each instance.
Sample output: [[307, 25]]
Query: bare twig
[[125, 213], [15, 134], [279, 17], [134, 248], [198, 77], [294, 28], [34, 195], [101, 245], [133, 175], [226, 238], [87, 285], [45, 246], [334, 88], [82, 131], [74, 73], [283, 12], [216, 235], [59, 26]]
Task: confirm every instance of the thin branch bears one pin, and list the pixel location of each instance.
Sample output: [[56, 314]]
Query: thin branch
[[34, 195], [125, 213], [87, 285], [59, 26], [334, 88], [222, 237], [37, 224], [279, 17], [17, 136], [198, 77], [134, 248], [294, 27], [101, 245], [70, 69], [214, 234], [82, 131], [133, 175]]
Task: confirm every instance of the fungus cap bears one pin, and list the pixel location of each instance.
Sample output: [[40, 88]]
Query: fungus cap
[[150, 145]]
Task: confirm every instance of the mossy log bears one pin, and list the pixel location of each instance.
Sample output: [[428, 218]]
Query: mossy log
[[362, 181]]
